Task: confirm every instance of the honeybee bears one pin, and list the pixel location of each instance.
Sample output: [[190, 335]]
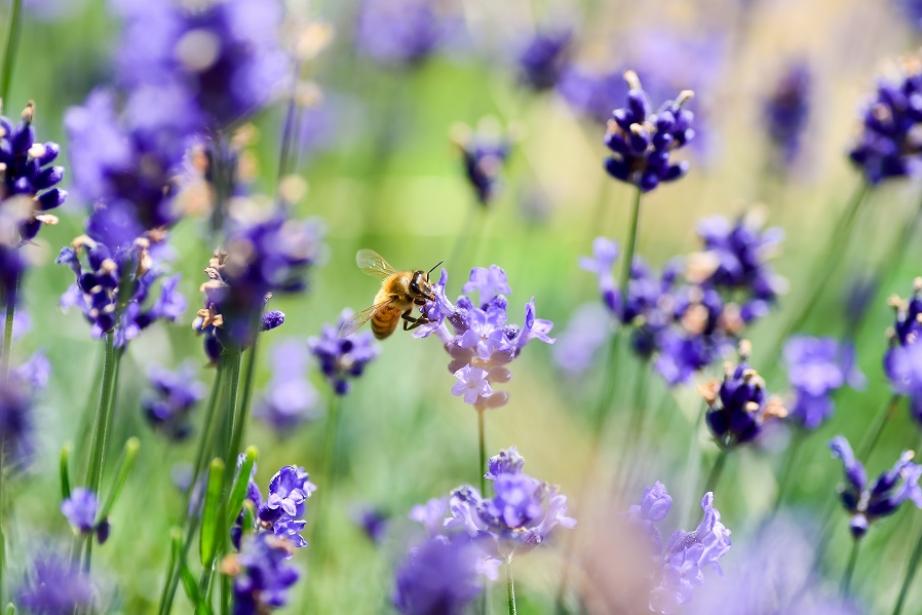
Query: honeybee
[[400, 292]]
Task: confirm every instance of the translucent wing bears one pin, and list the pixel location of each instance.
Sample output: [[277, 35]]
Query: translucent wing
[[360, 318], [373, 264]]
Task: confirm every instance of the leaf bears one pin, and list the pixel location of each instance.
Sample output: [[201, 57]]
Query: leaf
[[210, 512]]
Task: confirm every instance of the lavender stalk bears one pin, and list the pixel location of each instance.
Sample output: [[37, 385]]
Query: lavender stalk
[[12, 47]]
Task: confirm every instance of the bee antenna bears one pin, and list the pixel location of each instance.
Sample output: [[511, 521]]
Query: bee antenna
[[434, 267]]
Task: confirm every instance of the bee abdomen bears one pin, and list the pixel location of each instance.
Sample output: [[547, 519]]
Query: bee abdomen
[[384, 322]]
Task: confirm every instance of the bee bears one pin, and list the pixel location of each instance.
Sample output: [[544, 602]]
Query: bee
[[400, 292]]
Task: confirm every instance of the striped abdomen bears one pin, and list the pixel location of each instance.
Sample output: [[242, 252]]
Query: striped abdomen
[[384, 321]]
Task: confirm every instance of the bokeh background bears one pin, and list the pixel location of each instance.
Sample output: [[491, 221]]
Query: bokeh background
[[383, 173]]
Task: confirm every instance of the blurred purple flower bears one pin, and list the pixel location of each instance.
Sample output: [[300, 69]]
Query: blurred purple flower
[[342, 358], [817, 368], [171, 399], [262, 574], [403, 33], [593, 94], [440, 576], [373, 522], [786, 110], [579, 344], [81, 509], [54, 586], [869, 502], [544, 57], [484, 153], [289, 400]]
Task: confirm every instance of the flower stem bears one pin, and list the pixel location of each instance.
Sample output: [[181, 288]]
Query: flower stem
[[628, 261], [909, 576], [103, 414], [482, 453], [868, 445], [789, 463], [850, 568], [12, 47], [8, 336], [716, 471], [510, 589], [633, 434]]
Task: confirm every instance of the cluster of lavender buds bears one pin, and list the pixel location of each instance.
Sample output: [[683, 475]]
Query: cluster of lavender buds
[[114, 289], [868, 502], [889, 145], [642, 142], [817, 368], [262, 574], [440, 575], [27, 172], [170, 401], [216, 62], [282, 513], [738, 406], [258, 260], [544, 58], [17, 421], [478, 337], [484, 153], [289, 400], [341, 355], [522, 514], [81, 510], [681, 563], [786, 111], [689, 322], [54, 584], [903, 359], [402, 33]]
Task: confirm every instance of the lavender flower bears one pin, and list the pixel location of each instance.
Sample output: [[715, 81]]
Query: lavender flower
[[224, 56], [55, 586], [113, 288], [402, 33], [868, 502], [172, 397], [682, 562], [373, 523], [889, 144], [581, 341], [786, 110], [738, 407], [342, 357], [284, 509], [817, 368], [478, 337], [642, 142], [430, 515], [912, 9], [17, 422], [258, 260], [903, 359], [81, 509], [27, 172], [484, 153], [523, 512], [591, 93], [544, 58], [439, 577], [289, 400], [262, 574]]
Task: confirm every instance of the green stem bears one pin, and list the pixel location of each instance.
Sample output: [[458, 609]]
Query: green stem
[[870, 441], [510, 589], [909, 576], [7, 351], [12, 47], [103, 414], [716, 471], [789, 463], [628, 261], [482, 453], [850, 568], [242, 413]]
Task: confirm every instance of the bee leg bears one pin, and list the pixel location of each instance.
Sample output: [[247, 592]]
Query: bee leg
[[410, 323]]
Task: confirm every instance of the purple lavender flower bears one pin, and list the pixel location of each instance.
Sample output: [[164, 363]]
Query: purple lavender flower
[[262, 574], [224, 56], [523, 512], [641, 142], [579, 344], [283, 511], [172, 397], [591, 93], [54, 586], [868, 502], [289, 400], [258, 260], [738, 406], [439, 577], [889, 144], [402, 33], [817, 368], [478, 337], [373, 522], [81, 509], [484, 153], [544, 58], [342, 357], [17, 422], [903, 359], [102, 293], [912, 9], [786, 110], [28, 173], [682, 562], [430, 515]]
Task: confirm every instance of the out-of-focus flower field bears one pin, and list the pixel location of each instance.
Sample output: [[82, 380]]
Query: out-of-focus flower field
[[191, 308]]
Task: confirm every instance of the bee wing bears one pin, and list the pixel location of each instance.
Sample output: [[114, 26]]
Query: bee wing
[[373, 264], [360, 318]]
